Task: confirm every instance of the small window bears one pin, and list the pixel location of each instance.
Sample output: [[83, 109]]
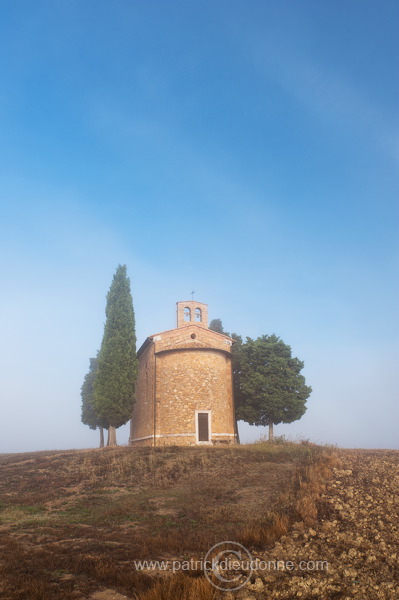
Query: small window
[[187, 314], [198, 315]]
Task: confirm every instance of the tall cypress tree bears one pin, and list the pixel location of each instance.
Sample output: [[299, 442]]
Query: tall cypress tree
[[115, 380]]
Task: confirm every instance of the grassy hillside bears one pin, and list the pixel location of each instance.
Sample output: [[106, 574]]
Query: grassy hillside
[[71, 523]]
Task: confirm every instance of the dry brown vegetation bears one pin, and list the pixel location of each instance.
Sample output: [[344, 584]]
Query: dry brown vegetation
[[352, 549], [71, 523]]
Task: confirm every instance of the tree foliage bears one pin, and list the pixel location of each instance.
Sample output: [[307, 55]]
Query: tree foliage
[[236, 351], [114, 383], [217, 325], [89, 415], [269, 387]]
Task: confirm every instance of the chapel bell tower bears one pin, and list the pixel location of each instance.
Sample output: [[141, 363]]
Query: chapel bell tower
[[192, 312]]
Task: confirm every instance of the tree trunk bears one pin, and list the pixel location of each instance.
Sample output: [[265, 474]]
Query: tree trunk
[[101, 437], [271, 436], [111, 436]]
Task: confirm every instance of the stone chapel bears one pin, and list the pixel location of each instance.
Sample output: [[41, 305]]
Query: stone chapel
[[184, 393]]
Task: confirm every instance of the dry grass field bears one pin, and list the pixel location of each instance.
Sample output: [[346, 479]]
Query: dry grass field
[[72, 522]]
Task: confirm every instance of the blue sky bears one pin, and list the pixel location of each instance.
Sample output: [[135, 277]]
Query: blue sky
[[245, 150]]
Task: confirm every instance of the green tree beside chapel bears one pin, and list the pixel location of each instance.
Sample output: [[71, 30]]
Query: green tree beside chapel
[[89, 415], [115, 379], [217, 325], [268, 385]]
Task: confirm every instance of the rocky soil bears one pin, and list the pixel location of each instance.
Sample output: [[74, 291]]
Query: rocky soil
[[353, 549]]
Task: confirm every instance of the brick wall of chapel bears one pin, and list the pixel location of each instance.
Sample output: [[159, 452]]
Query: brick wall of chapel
[[182, 338], [142, 423], [194, 380]]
